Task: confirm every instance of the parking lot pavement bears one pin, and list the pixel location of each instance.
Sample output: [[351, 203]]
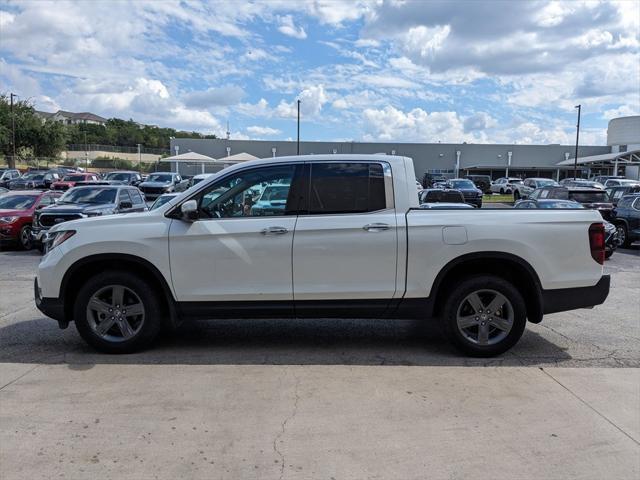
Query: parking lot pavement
[[322, 398]]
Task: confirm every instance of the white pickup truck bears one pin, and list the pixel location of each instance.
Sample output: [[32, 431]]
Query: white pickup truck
[[350, 241]]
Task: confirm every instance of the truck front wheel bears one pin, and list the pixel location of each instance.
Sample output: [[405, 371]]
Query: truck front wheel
[[484, 316], [117, 312]]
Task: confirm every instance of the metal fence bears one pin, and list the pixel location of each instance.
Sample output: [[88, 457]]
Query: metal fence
[[94, 147]]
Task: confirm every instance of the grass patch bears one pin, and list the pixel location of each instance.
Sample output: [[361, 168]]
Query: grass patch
[[497, 198]]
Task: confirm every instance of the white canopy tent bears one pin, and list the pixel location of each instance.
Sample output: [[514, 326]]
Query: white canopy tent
[[190, 158]]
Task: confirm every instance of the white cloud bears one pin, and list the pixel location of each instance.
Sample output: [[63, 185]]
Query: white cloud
[[312, 99], [288, 28], [263, 131]]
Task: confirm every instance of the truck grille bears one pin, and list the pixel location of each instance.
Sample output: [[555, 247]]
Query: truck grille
[[49, 220]]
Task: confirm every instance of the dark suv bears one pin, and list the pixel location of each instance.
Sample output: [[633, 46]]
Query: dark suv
[[616, 193], [592, 198], [86, 201], [8, 174], [35, 179], [158, 183], [626, 218], [483, 182], [125, 177]]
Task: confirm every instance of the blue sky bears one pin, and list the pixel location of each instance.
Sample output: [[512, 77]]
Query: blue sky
[[365, 70]]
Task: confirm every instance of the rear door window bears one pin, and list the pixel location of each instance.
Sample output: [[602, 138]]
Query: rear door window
[[136, 197], [339, 188]]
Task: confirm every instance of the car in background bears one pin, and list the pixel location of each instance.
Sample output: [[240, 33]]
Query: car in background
[[430, 179], [84, 202], [524, 189], [505, 185], [483, 182], [617, 182], [158, 183], [272, 200], [70, 180], [472, 194], [579, 182], [441, 195], [626, 218], [616, 193], [591, 198], [34, 179], [8, 174], [603, 178], [124, 177], [198, 178], [162, 199], [612, 238], [16, 215], [3, 190]]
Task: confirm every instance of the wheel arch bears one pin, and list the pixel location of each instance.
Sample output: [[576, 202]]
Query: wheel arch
[[505, 265], [86, 267]]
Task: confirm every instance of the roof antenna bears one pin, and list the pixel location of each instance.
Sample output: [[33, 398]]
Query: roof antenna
[[228, 132]]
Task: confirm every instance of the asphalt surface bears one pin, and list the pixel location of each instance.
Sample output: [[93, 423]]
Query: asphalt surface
[[327, 399]]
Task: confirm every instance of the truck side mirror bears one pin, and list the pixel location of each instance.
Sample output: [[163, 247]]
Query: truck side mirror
[[189, 210]]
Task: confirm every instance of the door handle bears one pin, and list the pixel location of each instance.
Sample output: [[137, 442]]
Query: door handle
[[274, 231], [376, 227]]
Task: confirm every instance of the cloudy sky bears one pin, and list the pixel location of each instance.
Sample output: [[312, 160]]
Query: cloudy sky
[[365, 70]]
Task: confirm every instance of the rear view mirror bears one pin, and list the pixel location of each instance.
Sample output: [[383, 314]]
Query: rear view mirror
[[189, 210]]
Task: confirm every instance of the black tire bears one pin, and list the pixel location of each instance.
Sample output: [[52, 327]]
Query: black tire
[[516, 195], [502, 191], [24, 238], [149, 298], [456, 298], [623, 234], [608, 253]]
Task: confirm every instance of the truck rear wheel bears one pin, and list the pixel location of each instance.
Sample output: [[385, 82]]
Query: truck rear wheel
[[484, 316], [117, 312]]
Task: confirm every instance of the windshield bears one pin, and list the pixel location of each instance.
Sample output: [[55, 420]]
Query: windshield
[[462, 184], [17, 202], [589, 197], [275, 193], [559, 204], [33, 176], [161, 200], [544, 183], [73, 178], [89, 195], [117, 176], [160, 178]]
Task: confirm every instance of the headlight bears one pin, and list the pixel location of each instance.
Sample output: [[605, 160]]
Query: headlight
[[59, 237], [8, 219]]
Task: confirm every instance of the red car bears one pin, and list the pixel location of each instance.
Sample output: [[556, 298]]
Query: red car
[[16, 214], [70, 180]]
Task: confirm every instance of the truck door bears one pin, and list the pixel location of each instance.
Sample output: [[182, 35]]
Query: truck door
[[345, 243]]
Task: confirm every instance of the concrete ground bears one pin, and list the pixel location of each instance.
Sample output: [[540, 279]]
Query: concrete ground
[[322, 399]]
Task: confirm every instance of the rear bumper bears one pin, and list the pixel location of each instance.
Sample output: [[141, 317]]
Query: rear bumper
[[51, 307], [564, 299]]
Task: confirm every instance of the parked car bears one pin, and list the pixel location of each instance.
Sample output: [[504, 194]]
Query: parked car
[[158, 183], [571, 182], [271, 201], [124, 177], [505, 185], [34, 179], [16, 215], [483, 182], [198, 178], [611, 233], [524, 189], [430, 179], [471, 193], [8, 174], [591, 198], [626, 218], [439, 195], [162, 199], [616, 182], [603, 178], [351, 242], [85, 202], [616, 193], [71, 180]]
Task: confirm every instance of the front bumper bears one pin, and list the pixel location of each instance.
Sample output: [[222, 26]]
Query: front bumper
[[563, 299], [51, 307]]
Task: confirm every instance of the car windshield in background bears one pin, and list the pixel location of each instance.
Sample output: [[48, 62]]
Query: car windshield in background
[[544, 183], [89, 195], [462, 184], [559, 204], [589, 197], [73, 178], [159, 178], [17, 202], [117, 176]]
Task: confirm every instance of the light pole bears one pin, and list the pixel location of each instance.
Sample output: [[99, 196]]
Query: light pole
[[86, 148], [12, 163], [298, 143], [139, 159], [575, 160]]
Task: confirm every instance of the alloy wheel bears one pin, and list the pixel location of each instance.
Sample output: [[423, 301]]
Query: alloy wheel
[[485, 317], [115, 313], [25, 238], [622, 234]]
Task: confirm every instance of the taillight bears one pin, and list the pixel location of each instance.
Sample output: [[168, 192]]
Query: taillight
[[596, 242]]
